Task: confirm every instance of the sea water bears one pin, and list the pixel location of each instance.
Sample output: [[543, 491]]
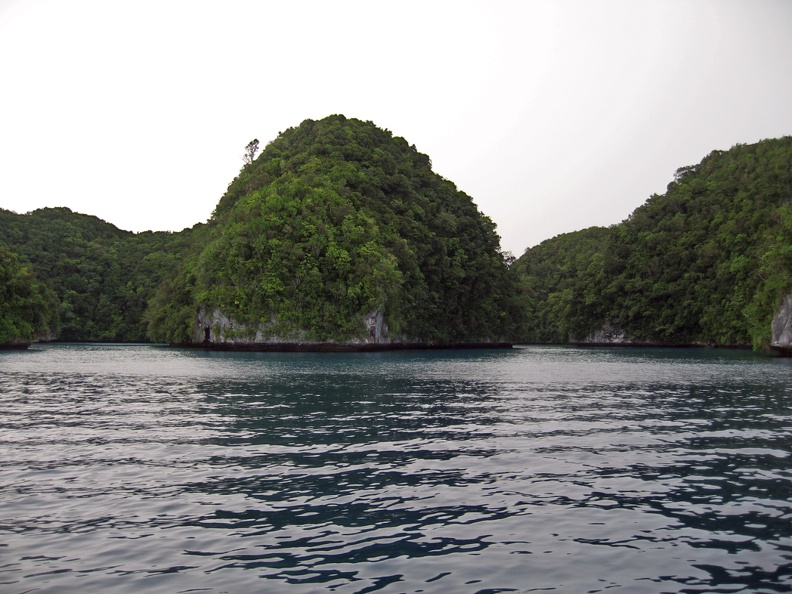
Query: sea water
[[537, 469]]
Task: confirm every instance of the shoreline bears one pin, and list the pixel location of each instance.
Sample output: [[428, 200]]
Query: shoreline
[[321, 347]]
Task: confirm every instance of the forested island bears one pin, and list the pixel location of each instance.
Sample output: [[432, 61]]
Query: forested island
[[707, 263], [339, 236]]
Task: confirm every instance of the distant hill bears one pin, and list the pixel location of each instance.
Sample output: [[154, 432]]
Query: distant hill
[[708, 262], [100, 277]]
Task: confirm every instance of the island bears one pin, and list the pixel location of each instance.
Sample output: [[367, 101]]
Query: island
[[340, 236]]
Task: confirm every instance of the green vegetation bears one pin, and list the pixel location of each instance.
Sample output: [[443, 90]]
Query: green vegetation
[[26, 306], [101, 277], [707, 262], [338, 224], [554, 276], [334, 221]]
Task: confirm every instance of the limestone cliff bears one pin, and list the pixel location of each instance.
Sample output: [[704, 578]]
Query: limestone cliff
[[607, 335], [216, 330], [781, 334], [782, 327]]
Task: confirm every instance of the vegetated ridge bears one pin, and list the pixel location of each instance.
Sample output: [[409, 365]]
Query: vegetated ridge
[[95, 279], [707, 263], [25, 303], [337, 234], [340, 233]]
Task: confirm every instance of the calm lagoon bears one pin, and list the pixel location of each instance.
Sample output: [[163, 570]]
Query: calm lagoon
[[141, 468]]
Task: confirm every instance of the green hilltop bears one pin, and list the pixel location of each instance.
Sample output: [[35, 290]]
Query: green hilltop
[[340, 235], [340, 232], [98, 278]]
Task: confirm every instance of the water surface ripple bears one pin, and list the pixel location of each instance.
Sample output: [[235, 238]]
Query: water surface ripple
[[148, 469]]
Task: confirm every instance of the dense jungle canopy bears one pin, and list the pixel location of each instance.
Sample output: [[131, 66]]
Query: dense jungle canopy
[[334, 220], [26, 306], [337, 219], [708, 262], [99, 277]]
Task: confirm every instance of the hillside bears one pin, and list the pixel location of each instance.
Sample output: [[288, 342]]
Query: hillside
[[340, 233], [26, 306], [100, 277], [708, 262]]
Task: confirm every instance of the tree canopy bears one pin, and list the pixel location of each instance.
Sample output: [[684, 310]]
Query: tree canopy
[[26, 306], [100, 276], [334, 221], [337, 219], [708, 262]]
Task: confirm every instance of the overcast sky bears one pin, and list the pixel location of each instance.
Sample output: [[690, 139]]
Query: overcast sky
[[552, 115]]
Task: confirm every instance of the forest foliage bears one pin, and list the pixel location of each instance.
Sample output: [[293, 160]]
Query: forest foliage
[[99, 279], [334, 220], [337, 219], [708, 262], [26, 306]]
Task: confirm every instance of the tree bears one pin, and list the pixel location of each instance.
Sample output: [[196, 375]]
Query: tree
[[708, 262], [250, 151], [26, 306]]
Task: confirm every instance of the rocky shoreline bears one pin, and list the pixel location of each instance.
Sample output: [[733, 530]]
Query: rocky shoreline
[[325, 347]]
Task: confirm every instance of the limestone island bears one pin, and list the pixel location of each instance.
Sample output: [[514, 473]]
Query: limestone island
[[339, 236]]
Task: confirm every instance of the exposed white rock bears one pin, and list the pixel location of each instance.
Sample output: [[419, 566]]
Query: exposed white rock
[[377, 328], [216, 328], [781, 330], [606, 335]]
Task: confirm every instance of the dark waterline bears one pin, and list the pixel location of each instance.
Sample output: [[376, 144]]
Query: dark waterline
[[138, 468]]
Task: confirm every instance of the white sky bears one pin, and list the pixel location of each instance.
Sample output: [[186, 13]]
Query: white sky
[[552, 115]]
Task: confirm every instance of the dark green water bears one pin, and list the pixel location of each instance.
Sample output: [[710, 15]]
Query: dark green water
[[147, 469]]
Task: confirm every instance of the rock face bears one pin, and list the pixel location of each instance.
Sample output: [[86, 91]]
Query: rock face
[[216, 330], [607, 335], [610, 335], [781, 334], [781, 331]]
